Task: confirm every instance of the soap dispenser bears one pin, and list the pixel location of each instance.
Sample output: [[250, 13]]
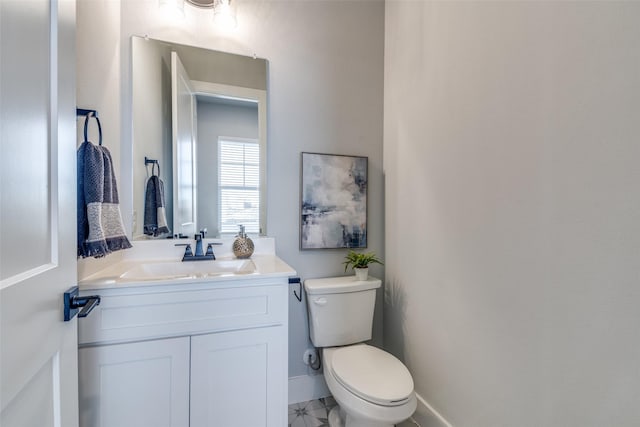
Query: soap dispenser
[[243, 245]]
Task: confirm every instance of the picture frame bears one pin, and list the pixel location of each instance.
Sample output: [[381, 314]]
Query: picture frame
[[333, 201]]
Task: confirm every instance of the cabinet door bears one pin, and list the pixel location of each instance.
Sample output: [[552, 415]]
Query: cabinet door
[[142, 384], [238, 379]]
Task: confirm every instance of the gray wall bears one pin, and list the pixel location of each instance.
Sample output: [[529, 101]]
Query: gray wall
[[325, 95], [511, 150]]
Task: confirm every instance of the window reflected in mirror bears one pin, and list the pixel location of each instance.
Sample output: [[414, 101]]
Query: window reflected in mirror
[[239, 184]]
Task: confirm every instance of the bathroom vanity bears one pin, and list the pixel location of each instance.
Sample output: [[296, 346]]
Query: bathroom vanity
[[186, 347]]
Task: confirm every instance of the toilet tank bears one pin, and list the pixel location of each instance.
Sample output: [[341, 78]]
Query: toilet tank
[[340, 309]]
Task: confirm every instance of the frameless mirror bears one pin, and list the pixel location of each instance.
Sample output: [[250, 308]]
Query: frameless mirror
[[199, 124]]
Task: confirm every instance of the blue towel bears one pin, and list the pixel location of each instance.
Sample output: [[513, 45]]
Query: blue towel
[[100, 228], [155, 219]]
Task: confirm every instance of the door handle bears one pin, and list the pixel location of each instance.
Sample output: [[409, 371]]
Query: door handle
[[75, 304]]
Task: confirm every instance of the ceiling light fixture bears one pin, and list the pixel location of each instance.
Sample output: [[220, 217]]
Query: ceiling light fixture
[[224, 11], [172, 8]]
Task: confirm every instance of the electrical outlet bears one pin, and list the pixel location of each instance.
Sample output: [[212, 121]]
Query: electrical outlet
[[310, 356]]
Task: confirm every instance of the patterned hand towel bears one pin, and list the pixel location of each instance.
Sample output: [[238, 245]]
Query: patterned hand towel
[[155, 218], [100, 228]]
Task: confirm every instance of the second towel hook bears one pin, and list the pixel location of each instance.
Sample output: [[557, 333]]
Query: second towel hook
[[86, 126], [153, 163]]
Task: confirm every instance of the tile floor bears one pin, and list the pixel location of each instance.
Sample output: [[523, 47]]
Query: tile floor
[[314, 413]]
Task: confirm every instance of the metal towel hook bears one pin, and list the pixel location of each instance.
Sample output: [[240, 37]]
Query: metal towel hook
[[296, 280], [86, 126], [153, 163]]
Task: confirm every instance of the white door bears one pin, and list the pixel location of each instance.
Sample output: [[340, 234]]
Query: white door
[[184, 149], [38, 350]]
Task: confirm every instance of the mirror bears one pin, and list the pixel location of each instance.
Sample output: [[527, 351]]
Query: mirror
[[199, 123]]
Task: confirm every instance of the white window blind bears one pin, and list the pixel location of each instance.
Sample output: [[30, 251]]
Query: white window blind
[[239, 185]]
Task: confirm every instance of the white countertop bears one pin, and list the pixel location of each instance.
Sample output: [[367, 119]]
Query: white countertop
[[140, 266]]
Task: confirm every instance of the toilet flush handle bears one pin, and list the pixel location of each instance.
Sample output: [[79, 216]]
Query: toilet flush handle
[[320, 301]]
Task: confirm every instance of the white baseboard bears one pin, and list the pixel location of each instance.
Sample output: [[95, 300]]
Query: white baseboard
[[426, 416], [307, 387]]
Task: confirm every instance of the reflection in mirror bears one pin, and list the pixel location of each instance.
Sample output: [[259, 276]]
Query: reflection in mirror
[[205, 123]]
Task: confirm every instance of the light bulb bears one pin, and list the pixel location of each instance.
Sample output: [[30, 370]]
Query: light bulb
[[172, 8], [224, 14]]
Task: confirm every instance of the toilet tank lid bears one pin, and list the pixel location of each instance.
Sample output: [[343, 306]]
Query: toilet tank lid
[[336, 285]]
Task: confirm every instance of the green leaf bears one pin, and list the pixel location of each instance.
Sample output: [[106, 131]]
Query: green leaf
[[360, 260]]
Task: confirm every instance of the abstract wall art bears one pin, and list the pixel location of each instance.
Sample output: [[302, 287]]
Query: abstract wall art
[[333, 201]]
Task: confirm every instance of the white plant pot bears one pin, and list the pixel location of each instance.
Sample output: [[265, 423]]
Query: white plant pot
[[362, 273]]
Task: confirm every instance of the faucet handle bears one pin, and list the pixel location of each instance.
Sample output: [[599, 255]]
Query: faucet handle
[[203, 232], [187, 251], [210, 251], [198, 237]]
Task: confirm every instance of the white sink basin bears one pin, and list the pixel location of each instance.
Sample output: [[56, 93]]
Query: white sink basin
[[185, 270]]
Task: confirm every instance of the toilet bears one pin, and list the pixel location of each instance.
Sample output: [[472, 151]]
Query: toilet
[[372, 387]]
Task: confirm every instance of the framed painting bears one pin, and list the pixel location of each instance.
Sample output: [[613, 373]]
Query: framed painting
[[333, 212]]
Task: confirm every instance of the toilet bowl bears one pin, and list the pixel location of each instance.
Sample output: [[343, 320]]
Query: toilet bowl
[[372, 387]]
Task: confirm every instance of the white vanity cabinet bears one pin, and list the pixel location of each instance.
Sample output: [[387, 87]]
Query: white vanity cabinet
[[189, 355]]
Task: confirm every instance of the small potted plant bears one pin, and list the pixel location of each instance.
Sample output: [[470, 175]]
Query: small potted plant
[[360, 263]]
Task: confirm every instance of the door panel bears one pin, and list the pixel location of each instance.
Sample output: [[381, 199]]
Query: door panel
[[184, 149], [38, 350], [25, 110], [40, 393]]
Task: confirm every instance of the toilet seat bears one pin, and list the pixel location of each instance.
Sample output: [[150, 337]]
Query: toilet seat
[[372, 374]]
